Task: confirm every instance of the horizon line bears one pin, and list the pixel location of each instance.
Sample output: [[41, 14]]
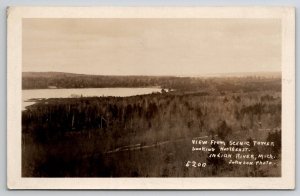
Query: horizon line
[[236, 74]]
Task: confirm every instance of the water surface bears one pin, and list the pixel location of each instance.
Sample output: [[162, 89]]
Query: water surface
[[82, 92]]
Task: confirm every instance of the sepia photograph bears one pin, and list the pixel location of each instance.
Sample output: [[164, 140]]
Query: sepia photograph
[[152, 97]]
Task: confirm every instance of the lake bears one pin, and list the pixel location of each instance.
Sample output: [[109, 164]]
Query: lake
[[84, 92]]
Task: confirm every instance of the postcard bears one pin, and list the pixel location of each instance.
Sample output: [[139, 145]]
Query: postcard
[[151, 98]]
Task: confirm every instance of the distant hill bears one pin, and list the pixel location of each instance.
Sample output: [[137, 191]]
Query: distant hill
[[233, 74], [49, 74], [45, 80], [240, 74], [42, 80]]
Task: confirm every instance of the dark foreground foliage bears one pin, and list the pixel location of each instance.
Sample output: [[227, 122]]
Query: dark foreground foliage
[[150, 135]]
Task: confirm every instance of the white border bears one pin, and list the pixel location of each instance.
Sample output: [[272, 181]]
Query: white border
[[14, 66]]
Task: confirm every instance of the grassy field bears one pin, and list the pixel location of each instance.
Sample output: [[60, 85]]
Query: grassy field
[[150, 135]]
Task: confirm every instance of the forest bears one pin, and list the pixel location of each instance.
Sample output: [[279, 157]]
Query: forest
[[147, 135]]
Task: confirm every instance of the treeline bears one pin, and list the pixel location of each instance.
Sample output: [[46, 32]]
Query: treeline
[[44, 80], [66, 80]]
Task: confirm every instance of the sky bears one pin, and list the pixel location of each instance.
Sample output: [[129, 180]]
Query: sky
[[151, 46]]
